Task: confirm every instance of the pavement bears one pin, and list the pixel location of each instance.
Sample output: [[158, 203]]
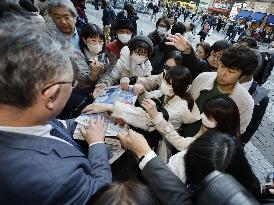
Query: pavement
[[260, 150]]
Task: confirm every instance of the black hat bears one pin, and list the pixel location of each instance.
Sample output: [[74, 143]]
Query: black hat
[[141, 38], [124, 24]]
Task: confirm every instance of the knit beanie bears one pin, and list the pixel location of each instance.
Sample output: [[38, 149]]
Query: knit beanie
[[141, 38]]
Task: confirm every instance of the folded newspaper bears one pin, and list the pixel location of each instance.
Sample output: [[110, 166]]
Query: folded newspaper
[[109, 96]]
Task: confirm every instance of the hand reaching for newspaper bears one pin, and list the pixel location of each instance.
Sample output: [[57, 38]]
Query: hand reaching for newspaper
[[95, 132], [150, 107], [135, 142], [97, 108], [99, 88], [138, 89], [124, 83], [179, 42]]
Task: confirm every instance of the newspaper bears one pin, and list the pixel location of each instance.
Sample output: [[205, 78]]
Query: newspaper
[[115, 93], [109, 96]]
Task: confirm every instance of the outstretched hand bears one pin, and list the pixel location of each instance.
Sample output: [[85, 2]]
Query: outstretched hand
[[124, 83], [95, 132], [97, 108], [99, 88], [134, 142], [150, 107], [138, 89], [178, 41]]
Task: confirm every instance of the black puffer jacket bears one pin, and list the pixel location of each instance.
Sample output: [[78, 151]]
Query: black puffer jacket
[[155, 38], [157, 58]]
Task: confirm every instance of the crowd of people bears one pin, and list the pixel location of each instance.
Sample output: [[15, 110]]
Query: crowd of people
[[196, 107]]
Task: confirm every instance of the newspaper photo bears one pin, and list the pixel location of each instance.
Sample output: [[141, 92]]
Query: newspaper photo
[[109, 96]]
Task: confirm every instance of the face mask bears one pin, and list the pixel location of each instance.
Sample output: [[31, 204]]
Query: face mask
[[166, 90], [137, 59], [271, 51], [124, 38], [208, 123], [161, 31], [95, 48]]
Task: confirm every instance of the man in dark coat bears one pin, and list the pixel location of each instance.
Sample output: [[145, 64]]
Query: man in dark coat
[[162, 26]]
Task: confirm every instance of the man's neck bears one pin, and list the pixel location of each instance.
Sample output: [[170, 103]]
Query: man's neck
[[18, 117], [225, 88], [69, 35]]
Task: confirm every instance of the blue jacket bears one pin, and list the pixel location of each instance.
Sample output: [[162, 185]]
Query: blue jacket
[[39, 170]]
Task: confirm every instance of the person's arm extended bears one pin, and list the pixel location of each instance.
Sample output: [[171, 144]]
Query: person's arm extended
[[114, 76], [195, 65], [169, 133], [166, 186], [165, 128]]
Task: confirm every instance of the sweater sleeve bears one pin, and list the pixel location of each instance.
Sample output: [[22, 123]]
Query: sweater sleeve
[[80, 67], [150, 82], [168, 132], [115, 74], [132, 115]]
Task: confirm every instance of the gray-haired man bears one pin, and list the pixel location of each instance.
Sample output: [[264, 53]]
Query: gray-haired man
[[64, 16], [40, 163]]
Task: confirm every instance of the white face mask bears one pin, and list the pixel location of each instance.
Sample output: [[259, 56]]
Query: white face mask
[[165, 89], [161, 31], [271, 51], [95, 48], [208, 123], [124, 38], [137, 59]]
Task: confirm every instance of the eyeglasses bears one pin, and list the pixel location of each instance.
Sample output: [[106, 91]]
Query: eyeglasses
[[73, 84]]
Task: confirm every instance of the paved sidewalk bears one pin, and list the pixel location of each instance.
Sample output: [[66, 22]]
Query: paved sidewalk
[[260, 151], [264, 139]]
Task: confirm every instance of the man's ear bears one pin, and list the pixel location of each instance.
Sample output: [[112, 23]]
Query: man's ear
[[50, 95]]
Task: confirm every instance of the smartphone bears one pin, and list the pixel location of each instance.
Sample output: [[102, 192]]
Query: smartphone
[[102, 58]]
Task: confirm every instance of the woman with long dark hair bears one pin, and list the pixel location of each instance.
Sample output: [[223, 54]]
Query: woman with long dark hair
[[218, 151], [220, 113]]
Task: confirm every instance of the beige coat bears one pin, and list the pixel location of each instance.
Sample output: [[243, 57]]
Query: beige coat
[[177, 109], [150, 84], [170, 133]]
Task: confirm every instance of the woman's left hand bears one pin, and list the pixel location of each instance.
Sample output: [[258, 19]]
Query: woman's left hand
[[150, 107], [97, 108]]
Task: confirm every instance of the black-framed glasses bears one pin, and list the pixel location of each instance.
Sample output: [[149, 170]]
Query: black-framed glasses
[[73, 84]]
